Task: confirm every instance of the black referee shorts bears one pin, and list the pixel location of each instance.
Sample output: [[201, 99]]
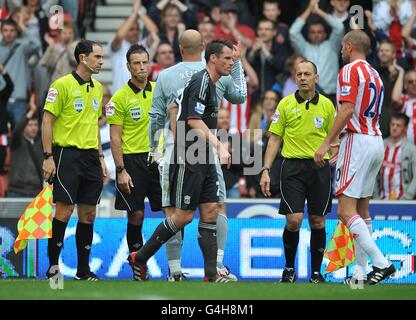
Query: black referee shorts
[[146, 184], [302, 179], [192, 185], [79, 176]]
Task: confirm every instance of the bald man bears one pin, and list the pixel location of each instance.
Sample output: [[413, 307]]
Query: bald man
[[169, 85], [361, 151]]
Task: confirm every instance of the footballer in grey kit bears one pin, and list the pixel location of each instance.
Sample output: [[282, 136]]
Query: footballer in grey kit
[[170, 84]]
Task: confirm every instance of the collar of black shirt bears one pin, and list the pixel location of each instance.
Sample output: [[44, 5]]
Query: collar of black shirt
[[80, 80], [300, 100], [136, 90]]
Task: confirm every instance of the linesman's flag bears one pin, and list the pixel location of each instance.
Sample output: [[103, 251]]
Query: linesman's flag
[[340, 249], [36, 221]]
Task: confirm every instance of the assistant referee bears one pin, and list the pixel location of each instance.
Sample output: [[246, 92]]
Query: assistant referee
[[73, 154], [302, 120], [128, 116]]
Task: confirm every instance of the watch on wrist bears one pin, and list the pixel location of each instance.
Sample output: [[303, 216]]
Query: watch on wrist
[[47, 155], [265, 168], [119, 169]]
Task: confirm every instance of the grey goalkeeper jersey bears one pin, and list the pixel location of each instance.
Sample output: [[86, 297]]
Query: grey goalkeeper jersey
[[172, 81]]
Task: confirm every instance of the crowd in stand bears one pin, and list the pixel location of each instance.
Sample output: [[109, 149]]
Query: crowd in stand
[[274, 36]]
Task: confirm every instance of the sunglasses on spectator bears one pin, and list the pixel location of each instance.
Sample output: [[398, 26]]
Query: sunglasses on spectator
[[411, 81]]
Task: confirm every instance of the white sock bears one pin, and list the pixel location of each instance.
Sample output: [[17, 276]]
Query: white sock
[[362, 237], [174, 267], [360, 271]]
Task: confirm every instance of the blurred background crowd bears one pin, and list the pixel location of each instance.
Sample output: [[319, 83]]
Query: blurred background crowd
[[275, 35]]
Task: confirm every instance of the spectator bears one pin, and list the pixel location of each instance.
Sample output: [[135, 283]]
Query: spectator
[[207, 31], [267, 56], [234, 173], [26, 178], [261, 117], [287, 80], [6, 89], [323, 52], [229, 28], [404, 103], [389, 17], [14, 55], [239, 113], [109, 187], [271, 11], [164, 57], [38, 23], [397, 177], [59, 58], [340, 11], [406, 34], [127, 35], [171, 27], [186, 14], [388, 72]]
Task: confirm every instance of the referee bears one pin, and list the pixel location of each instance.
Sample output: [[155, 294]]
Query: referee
[[127, 114], [302, 120], [73, 155]]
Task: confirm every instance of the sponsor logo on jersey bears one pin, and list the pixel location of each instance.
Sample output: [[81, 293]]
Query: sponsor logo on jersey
[[200, 108], [109, 109], [136, 113], [276, 116], [79, 104], [345, 90], [52, 94]]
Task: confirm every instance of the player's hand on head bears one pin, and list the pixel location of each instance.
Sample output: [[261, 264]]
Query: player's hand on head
[[237, 50]]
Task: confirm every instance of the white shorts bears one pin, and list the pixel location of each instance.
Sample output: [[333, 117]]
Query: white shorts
[[359, 161]]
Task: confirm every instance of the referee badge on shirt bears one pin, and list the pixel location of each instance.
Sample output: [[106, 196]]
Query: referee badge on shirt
[[79, 104], [318, 122], [136, 113], [95, 104]]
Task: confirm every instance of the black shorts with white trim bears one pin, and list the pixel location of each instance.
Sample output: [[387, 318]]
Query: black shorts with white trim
[[79, 176], [302, 179]]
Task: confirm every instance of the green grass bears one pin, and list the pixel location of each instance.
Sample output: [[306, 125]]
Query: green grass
[[197, 290]]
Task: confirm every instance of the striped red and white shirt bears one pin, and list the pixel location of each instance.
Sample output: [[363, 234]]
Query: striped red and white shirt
[[409, 109], [390, 174], [239, 114], [361, 85]]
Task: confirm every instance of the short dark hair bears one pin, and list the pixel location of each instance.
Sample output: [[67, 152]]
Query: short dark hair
[[85, 47], [8, 22], [262, 20], [313, 64], [136, 48], [275, 2], [401, 116], [389, 42], [215, 47]]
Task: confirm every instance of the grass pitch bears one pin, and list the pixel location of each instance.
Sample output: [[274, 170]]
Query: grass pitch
[[18, 289]]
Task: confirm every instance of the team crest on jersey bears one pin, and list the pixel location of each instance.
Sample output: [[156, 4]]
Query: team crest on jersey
[[276, 116], [345, 90], [187, 199], [109, 109], [95, 104], [52, 94], [318, 122], [136, 113], [200, 108], [79, 104]]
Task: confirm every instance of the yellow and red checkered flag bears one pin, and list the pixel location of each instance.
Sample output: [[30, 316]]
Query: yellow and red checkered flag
[[340, 249], [36, 221]]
